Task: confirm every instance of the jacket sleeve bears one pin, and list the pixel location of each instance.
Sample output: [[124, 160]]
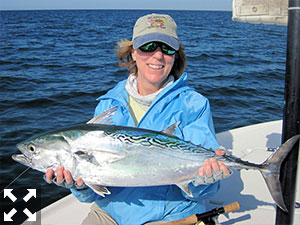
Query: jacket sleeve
[[197, 125], [85, 195], [199, 129]]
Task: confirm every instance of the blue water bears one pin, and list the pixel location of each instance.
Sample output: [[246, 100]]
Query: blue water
[[54, 64]]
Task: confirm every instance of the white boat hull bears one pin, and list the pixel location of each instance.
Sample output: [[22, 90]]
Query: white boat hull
[[251, 143]]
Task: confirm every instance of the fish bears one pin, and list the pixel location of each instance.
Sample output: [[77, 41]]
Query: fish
[[106, 155]]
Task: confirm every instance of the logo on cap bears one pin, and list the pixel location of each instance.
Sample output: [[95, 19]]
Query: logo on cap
[[156, 21]]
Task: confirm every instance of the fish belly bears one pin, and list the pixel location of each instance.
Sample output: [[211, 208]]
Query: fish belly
[[142, 168]]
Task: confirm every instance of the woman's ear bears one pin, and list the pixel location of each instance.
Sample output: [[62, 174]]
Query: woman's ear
[[133, 54]]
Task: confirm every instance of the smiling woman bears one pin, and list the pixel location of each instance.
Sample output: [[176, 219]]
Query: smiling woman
[[124, 53], [154, 69], [154, 96]]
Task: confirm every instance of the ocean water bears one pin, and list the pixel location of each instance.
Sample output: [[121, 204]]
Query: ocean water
[[54, 64]]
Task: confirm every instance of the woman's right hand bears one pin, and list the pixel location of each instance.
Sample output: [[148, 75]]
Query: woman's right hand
[[61, 175]]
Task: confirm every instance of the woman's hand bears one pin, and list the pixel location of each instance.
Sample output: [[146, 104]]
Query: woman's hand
[[62, 175], [212, 170], [213, 165]]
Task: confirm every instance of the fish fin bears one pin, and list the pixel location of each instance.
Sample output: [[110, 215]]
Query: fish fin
[[171, 129], [184, 186], [271, 170], [99, 189], [84, 155], [87, 156], [105, 117], [98, 159]]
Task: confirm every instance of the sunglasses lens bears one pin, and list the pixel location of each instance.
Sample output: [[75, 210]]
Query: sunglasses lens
[[167, 50], [152, 46]]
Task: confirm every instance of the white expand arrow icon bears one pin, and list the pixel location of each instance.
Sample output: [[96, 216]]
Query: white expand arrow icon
[[8, 216], [31, 217], [7, 193], [31, 193]]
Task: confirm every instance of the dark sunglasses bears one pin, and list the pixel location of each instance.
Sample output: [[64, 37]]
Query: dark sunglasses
[[152, 46]]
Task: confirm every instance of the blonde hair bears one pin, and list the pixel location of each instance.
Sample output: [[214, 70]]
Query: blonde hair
[[124, 48]]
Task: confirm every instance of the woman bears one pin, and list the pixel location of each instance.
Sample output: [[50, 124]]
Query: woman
[[154, 96]]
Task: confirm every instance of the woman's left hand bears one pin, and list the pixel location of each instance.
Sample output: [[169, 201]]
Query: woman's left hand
[[212, 170], [213, 165]]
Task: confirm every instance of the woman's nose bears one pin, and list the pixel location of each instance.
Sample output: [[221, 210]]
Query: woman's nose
[[158, 53]]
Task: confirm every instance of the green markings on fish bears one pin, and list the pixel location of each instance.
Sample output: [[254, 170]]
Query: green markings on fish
[[108, 155]]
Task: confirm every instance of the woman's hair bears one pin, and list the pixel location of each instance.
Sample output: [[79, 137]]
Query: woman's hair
[[125, 47]]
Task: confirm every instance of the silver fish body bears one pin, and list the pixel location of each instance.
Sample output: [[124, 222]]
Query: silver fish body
[[109, 155], [115, 155]]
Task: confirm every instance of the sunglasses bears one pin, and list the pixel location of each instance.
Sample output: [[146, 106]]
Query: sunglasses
[[152, 46]]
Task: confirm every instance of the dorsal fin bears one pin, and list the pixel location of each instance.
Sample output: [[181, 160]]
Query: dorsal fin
[[171, 129], [105, 117]]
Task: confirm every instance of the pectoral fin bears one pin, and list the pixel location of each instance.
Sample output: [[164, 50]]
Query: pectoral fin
[[184, 186], [100, 190], [86, 156]]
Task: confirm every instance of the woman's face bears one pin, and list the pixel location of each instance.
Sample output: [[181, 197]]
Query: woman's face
[[153, 69]]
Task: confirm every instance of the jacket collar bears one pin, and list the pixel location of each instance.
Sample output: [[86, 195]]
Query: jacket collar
[[120, 94]]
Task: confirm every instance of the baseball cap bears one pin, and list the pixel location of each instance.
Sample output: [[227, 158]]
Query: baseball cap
[[155, 27]]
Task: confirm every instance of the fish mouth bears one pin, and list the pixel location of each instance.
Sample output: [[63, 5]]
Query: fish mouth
[[20, 158]]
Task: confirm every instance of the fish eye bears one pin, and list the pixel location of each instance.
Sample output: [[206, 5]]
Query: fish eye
[[31, 147]]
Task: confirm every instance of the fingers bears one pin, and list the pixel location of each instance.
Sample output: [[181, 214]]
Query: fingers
[[68, 177], [220, 152], [224, 168], [79, 181], [213, 165], [210, 165], [61, 175], [63, 178], [49, 175], [201, 171]]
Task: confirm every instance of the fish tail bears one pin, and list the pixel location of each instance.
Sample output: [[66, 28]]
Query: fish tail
[[271, 170]]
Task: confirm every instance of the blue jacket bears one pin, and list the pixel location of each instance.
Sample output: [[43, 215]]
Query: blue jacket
[[138, 205]]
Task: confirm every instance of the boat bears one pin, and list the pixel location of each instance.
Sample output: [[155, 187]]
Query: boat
[[282, 12], [253, 143], [260, 11]]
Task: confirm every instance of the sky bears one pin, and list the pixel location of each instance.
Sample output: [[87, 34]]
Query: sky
[[225, 5]]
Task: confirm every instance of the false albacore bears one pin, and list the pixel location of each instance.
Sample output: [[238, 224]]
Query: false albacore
[[108, 155]]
